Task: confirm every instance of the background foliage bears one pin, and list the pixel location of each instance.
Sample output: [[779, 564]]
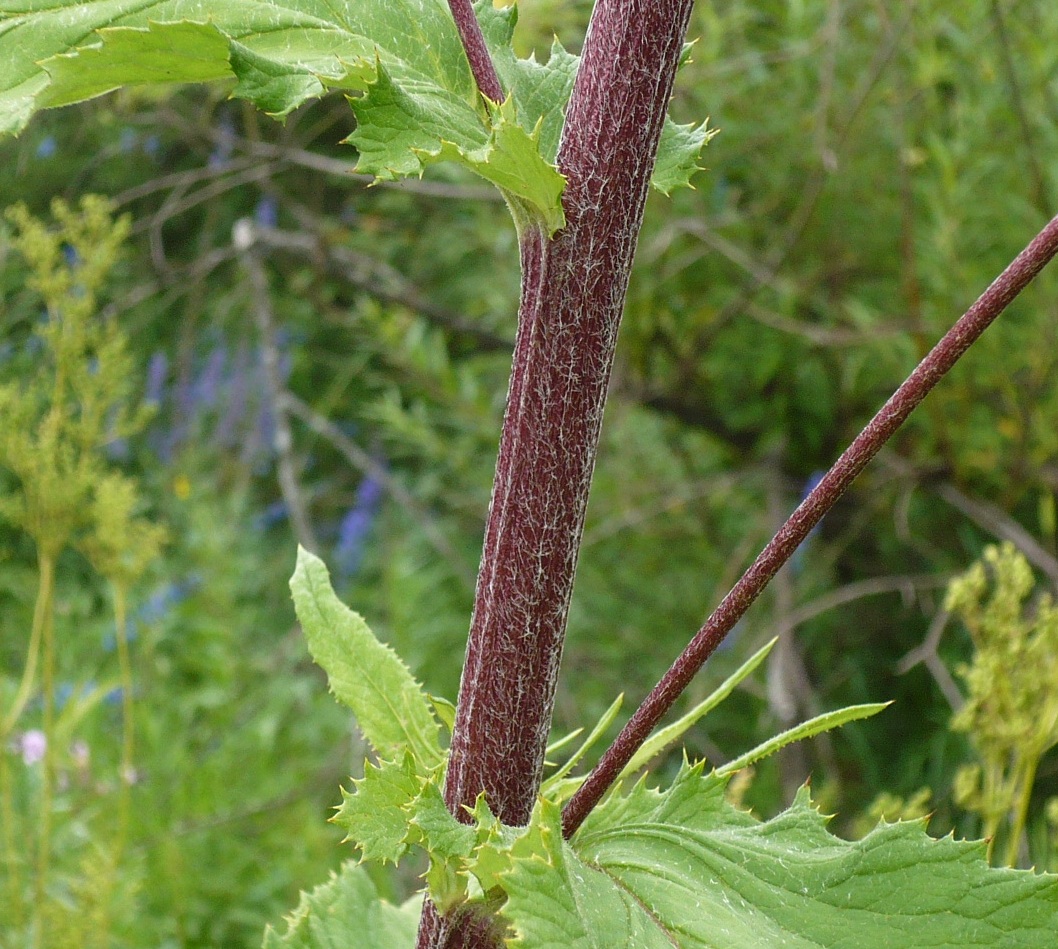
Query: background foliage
[[875, 169]]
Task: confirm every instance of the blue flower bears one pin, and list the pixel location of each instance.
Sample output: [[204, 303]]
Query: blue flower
[[235, 402], [157, 372], [208, 383], [267, 212], [221, 154], [47, 147], [797, 560], [355, 527], [271, 515]]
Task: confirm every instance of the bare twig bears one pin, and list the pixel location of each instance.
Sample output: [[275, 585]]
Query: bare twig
[[810, 191], [926, 653], [1003, 526], [876, 586], [379, 279], [1040, 193], [363, 462], [244, 238], [347, 170]]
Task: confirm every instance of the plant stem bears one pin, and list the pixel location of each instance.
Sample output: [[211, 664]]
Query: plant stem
[[112, 861], [477, 52], [12, 857], [1024, 776], [891, 416], [29, 671], [573, 291], [47, 580]]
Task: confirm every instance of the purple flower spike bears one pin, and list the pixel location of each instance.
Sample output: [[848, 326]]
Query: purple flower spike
[[157, 372], [356, 526], [208, 384]]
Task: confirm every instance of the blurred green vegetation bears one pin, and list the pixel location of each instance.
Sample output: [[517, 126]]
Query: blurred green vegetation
[[877, 165]]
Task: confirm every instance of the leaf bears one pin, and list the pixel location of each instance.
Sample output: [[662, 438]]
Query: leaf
[[555, 781], [348, 903], [376, 816], [391, 708], [541, 92], [403, 128], [417, 99], [667, 736], [420, 102], [678, 153], [684, 868], [814, 726]]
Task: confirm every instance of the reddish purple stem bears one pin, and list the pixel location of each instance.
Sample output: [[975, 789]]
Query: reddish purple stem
[[866, 445], [481, 64], [573, 291]]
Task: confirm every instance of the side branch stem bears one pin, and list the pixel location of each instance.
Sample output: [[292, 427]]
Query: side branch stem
[[481, 64], [891, 416]]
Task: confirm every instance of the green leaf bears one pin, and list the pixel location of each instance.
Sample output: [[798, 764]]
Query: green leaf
[[555, 781], [684, 868], [401, 128], [347, 904], [391, 708], [678, 154], [376, 816], [556, 901], [178, 53], [541, 92], [669, 735], [418, 101], [814, 726]]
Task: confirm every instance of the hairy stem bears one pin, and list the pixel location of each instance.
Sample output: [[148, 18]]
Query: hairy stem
[[573, 291], [477, 52], [891, 416]]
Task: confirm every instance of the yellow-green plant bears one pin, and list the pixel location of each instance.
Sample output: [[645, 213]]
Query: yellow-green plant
[[1011, 712], [53, 428]]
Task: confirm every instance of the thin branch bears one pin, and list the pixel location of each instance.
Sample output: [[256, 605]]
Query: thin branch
[[347, 170], [892, 415], [477, 52], [810, 190], [1040, 195], [244, 238], [363, 462], [379, 279], [999, 523], [926, 653], [875, 586]]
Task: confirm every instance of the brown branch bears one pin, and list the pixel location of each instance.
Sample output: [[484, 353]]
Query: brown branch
[[365, 464], [244, 239], [891, 416], [477, 52]]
